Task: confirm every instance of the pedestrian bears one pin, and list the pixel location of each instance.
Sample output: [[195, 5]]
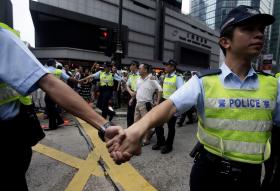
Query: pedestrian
[[171, 83], [131, 89], [237, 108], [21, 74], [85, 87], [145, 88]]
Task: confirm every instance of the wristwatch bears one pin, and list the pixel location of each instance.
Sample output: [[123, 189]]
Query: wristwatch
[[101, 132]]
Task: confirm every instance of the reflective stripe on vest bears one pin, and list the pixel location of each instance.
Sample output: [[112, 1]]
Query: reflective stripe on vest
[[169, 86], [57, 73], [133, 80], [106, 79], [25, 100], [7, 94], [237, 123]]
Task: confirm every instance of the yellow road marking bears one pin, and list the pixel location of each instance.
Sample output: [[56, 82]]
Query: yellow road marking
[[124, 175], [59, 155], [127, 176]]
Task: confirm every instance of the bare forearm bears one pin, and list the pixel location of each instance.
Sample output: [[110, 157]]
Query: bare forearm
[[129, 91], [159, 94], [64, 96], [157, 116]]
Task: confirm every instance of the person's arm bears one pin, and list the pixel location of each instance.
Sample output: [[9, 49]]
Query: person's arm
[[86, 78], [65, 77], [129, 90], [96, 75], [159, 94], [159, 91], [68, 99]]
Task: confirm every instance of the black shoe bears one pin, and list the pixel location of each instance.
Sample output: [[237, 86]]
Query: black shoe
[[60, 123], [49, 129], [189, 122], [157, 146], [166, 150], [180, 124]]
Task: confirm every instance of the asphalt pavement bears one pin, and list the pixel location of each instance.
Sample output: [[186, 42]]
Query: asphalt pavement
[[70, 158]]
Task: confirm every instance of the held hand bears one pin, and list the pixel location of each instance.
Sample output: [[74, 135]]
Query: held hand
[[116, 132], [122, 151]]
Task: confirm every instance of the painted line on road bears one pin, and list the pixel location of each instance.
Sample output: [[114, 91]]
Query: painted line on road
[[125, 175]]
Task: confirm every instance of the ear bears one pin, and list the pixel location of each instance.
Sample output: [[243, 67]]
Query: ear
[[224, 42]]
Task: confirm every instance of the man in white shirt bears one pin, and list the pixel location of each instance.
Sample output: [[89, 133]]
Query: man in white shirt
[[145, 89]]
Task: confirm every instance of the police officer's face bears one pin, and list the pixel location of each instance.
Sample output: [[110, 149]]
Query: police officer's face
[[169, 68], [248, 40]]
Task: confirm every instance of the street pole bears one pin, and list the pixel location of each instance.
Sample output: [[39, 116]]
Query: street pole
[[119, 50]]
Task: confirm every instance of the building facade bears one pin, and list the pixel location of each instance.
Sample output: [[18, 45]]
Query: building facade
[[152, 32], [212, 12]]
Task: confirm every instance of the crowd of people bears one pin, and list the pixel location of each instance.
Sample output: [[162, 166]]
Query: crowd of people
[[108, 88]]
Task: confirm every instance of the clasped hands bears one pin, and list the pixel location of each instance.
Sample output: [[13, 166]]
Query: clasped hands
[[122, 143]]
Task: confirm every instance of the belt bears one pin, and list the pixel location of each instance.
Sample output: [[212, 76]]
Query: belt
[[225, 166]]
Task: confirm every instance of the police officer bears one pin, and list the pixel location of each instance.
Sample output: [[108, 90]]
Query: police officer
[[171, 83], [131, 88], [22, 73], [237, 108], [51, 107], [106, 78]]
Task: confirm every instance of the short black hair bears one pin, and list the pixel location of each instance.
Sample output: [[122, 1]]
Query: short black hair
[[134, 63], [227, 33], [51, 62], [147, 67]]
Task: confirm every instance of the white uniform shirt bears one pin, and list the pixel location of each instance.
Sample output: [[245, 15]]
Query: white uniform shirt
[[145, 89]]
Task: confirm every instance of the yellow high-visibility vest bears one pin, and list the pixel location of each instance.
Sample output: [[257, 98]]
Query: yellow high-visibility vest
[[169, 86], [106, 79], [237, 123], [57, 73], [133, 80], [277, 75]]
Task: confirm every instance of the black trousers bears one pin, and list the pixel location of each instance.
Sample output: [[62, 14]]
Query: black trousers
[[106, 94], [184, 115], [16, 138], [214, 174], [171, 133], [130, 113], [53, 113]]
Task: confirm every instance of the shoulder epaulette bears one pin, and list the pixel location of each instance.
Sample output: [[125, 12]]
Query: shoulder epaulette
[[264, 73], [209, 72]]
